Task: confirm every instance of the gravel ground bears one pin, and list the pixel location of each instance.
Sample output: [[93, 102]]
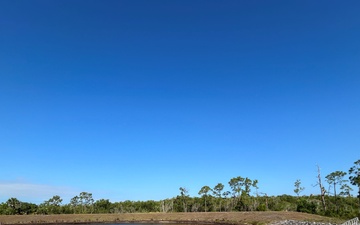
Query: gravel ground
[[294, 222]]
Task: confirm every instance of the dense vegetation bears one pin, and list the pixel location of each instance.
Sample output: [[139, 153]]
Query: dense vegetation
[[331, 202]]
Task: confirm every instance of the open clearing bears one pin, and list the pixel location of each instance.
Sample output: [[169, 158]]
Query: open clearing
[[240, 218]]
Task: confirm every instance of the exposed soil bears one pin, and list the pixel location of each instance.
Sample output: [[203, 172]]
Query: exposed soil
[[237, 218]]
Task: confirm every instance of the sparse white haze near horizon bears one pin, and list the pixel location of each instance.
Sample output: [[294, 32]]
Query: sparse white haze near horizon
[[130, 100]]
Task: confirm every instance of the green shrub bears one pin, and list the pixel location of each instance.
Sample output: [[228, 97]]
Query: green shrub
[[306, 206]]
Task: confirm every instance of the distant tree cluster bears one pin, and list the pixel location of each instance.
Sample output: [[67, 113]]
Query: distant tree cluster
[[336, 201]]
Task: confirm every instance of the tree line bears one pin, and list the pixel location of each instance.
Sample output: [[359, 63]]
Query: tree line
[[242, 194]]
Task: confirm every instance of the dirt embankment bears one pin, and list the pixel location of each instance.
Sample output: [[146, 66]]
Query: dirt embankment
[[236, 218]]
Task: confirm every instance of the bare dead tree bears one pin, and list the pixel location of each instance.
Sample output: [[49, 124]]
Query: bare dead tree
[[322, 189]]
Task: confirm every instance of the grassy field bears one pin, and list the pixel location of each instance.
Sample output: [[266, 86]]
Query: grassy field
[[239, 218]]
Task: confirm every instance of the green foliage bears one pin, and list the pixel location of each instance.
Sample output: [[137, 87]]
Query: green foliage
[[341, 205], [184, 196], [241, 188], [217, 191], [236, 184], [15, 207], [3, 208], [298, 189], [204, 192], [261, 207], [354, 172], [336, 178], [306, 206], [167, 205], [102, 206], [86, 202], [345, 190], [128, 206], [51, 206]]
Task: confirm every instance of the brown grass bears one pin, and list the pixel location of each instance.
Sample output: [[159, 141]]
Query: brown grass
[[237, 218]]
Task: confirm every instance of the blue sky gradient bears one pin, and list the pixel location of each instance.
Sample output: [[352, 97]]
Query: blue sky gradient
[[131, 100]]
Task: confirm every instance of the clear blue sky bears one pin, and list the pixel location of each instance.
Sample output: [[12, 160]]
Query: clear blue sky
[[130, 100]]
